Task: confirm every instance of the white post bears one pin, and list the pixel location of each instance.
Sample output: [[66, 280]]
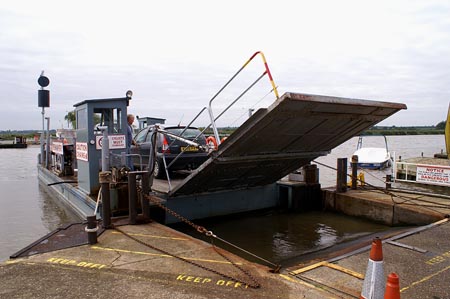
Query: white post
[[42, 136], [213, 123], [105, 148], [47, 147]]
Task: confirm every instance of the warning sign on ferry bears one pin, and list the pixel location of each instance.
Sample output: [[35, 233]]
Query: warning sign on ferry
[[81, 149], [57, 148], [435, 175], [115, 142]]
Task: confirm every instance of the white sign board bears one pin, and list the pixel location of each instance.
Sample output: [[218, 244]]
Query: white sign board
[[81, 148], [435, 175], [115, 142], [57, 147]]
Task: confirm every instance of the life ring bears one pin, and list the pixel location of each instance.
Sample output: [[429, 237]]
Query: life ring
[[211, 141], [223, 139]]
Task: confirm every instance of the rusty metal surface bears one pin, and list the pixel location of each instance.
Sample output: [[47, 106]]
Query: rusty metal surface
[[61, 238], [277, 140]]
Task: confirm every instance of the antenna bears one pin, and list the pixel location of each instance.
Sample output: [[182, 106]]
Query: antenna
[[181, 118]]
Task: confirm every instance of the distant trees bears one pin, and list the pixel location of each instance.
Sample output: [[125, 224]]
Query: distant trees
[[415, 130], [71, 119], [441, 125]]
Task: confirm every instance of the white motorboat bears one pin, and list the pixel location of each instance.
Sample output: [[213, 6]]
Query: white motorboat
[[373, 157]]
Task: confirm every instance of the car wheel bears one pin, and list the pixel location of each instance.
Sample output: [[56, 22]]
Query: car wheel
[[158, 171]]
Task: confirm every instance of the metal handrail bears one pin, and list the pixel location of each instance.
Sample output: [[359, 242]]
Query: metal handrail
[[187, 126], [214, 119], [181, 134], [266, 71], [124, 155], [177, 137]]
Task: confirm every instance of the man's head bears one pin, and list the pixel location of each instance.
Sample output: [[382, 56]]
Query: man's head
[[130, 119]]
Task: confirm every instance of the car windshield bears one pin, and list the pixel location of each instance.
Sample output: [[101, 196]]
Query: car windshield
[[188, 134]]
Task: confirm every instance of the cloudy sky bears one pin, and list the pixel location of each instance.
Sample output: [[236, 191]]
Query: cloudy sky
[[175, 55]]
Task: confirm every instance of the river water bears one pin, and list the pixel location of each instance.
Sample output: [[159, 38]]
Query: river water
[[28, 212]]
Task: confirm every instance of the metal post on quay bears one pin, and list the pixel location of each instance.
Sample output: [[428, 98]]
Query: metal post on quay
[[341, 177], [354, 172], [105, 179], [132, 197], [388, 181], [145, 189], [92, 229]]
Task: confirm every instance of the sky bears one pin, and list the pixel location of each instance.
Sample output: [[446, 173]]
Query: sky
[[176, 55]]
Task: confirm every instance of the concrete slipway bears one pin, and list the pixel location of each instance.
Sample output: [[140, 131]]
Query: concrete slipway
[[118, 267]]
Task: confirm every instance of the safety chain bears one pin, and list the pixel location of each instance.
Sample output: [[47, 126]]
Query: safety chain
[[248, 274], [198, 228], [254, 283]]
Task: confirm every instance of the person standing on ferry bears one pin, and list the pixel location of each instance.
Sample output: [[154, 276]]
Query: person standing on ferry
[[130, 140]]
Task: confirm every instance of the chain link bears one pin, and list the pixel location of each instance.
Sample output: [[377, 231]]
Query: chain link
[[254, 283], [155, 201]]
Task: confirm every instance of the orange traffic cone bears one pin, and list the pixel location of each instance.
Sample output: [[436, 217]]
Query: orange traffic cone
[[392, 287], [373, 287]]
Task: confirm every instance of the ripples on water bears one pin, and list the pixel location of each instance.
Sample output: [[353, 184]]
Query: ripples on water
[[281, 236]]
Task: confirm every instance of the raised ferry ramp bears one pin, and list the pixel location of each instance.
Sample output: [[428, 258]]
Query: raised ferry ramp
[[296, 129]]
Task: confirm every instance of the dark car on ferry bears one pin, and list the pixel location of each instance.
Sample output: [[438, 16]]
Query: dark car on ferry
[[169, 149]]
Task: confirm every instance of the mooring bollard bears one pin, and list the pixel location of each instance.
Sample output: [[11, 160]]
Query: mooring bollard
[[388, 181], [132, 197], [144, 201], [341, 177], [92, 229], [354, 172], [104, 178]]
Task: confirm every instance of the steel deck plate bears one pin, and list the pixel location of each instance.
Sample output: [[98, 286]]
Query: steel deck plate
[[65, 237], [275, 141]]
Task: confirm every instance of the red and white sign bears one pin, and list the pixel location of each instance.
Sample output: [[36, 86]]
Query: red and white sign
[[81, 149], [435, 175], [115, 142], [57, 147]]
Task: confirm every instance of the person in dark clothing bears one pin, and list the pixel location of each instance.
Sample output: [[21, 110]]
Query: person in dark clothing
[[130, 141]]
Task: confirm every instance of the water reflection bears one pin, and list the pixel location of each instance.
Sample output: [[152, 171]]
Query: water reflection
[[54, 214], [280, 236]]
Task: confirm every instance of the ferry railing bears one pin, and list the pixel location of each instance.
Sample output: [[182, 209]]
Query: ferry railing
[[175, 137], [210, 112], [123, 159], [403, 166], [213, 119], [410, 170], [181, 134], [166, 169], [266, 72]]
